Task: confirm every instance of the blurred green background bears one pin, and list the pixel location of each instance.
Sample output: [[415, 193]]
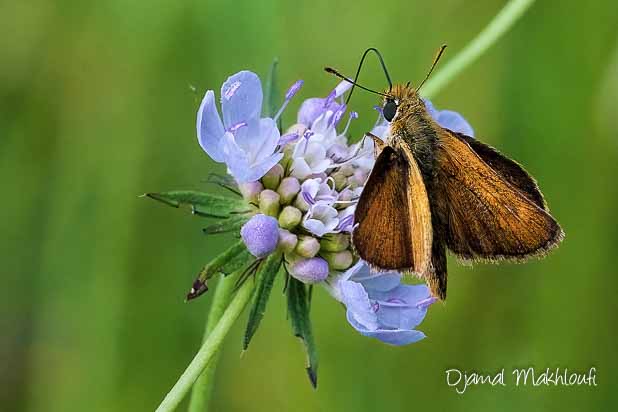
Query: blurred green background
[[96, 108]]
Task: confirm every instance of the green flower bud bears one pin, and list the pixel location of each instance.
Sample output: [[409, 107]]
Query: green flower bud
[[272, 178], [341, 180], [251, 191], [269, 203], [338, 260], [299, 203], [287, 241], [289, 217], [335, 242], [288, 189], [307, 246], [347, 170]]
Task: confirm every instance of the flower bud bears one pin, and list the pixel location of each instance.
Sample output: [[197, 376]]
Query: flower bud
[[287, 241], [307, 246], [301, 204], [288, 189], [346, 195], [347, 170], [269, 203], [272, 178], [358, 178], [251, 191], [338, 260], [290, 217], [261, 235], [334, 242], [341, 180], [310, 271]]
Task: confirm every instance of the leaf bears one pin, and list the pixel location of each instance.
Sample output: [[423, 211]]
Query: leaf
[[231, 224], [270, 91], [237, 263], [216, 265], [203, 204], [224, 181], [265, 279], [298, 310]]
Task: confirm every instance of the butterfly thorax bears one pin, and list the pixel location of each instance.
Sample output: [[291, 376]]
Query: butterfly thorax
[[413, 129]]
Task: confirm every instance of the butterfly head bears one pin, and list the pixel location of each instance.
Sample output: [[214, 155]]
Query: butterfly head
[[399, 99]]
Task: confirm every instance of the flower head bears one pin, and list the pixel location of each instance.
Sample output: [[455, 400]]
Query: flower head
[[380, 306]]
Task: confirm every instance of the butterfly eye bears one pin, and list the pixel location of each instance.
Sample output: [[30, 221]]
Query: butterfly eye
[[389, 110]]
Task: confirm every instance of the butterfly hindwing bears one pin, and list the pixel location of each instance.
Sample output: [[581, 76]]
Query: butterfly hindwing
[[488, 215], [393, 220]]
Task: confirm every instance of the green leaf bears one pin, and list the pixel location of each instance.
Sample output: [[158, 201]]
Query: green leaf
[[203, 204], [270, 91], [236, 263], [231, 224], [265, 279], [298, 310], [224, 181], [221, 263]]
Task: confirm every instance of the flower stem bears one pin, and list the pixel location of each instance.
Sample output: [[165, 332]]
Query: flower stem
[[202, 389], [208, 350], [503, 21]]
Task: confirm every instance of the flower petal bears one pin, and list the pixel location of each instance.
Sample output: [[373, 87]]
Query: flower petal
[[269, 135], [258, 170], [209, 127], [241, 98], [359, 307], [310, 110], [397, 337]]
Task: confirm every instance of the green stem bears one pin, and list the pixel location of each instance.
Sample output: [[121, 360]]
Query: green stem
[[202, 389], [208, 350], [503, 21]]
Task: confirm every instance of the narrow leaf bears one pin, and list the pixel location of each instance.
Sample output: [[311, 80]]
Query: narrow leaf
[[298, 311], [231, 224], [218, 264], [203, 204], [270, 91], [224, 181], [265, 279]]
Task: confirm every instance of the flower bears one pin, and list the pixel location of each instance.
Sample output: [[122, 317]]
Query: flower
[[244, 141], [380, 306], [449, 119], [261, 235], [305, 183], [321, 219], [312, 270]]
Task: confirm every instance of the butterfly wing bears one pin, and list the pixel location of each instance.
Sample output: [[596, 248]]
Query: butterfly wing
[[508, 169], [492, 209], [393, 220]]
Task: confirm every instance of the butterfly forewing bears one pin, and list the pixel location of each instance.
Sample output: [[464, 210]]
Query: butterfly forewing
[[491, 212], [393, 218]]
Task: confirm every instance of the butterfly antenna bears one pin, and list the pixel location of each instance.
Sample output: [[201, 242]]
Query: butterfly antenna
[[360, 65], [435, 62], [354, 84]]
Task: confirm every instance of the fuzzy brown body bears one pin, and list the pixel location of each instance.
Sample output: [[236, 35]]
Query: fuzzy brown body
[[433, 189]]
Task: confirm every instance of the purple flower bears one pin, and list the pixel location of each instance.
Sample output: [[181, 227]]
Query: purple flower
[[449, 119], [380, 306], [314, 108], [312, 270], [261, 235], [243, 141]]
